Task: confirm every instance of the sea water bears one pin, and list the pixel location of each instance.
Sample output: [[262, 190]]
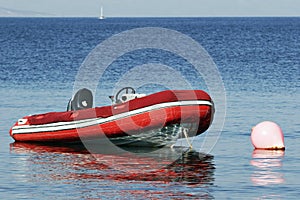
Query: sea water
[[258, 60]]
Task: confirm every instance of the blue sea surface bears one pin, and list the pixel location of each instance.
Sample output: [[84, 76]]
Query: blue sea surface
[[258, 60]]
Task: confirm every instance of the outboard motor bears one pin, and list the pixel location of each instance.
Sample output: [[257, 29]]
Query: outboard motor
[[83, 99]]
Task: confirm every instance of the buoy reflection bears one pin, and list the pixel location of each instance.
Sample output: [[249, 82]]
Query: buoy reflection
[[267, 165]]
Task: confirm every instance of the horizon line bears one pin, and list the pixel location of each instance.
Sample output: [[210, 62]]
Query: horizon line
[[204, 16]]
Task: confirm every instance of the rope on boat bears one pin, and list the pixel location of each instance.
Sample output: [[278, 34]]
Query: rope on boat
[[185, 132]]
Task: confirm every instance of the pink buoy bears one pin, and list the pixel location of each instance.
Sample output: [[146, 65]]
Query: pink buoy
[[267, 135]]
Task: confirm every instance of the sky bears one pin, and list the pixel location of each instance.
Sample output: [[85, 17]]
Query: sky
[[157, 8]]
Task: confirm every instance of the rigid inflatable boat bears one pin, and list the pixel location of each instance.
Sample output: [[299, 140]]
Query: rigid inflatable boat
[[156, 119]]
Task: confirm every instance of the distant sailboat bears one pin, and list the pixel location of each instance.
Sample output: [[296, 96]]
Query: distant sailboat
[[101, 13]]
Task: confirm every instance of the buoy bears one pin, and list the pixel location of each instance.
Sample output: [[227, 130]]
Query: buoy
[[267, 135]]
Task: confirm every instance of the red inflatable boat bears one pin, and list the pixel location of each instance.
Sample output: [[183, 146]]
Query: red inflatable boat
[[155, 119]]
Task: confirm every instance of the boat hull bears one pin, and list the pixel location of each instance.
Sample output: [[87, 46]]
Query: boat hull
[[193, 115]]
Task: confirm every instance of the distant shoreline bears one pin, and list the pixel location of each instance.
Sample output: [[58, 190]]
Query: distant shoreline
[[154, 17]]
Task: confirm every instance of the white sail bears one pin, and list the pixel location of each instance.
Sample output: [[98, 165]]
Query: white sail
[[101, 13]]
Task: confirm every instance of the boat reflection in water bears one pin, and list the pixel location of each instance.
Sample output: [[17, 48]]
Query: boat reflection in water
[[267, 165], [75, 162]]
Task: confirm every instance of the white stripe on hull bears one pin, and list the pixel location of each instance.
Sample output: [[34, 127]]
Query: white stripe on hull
[[58, 126]]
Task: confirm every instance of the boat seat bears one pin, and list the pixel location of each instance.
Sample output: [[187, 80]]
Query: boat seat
[[83, 99]]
